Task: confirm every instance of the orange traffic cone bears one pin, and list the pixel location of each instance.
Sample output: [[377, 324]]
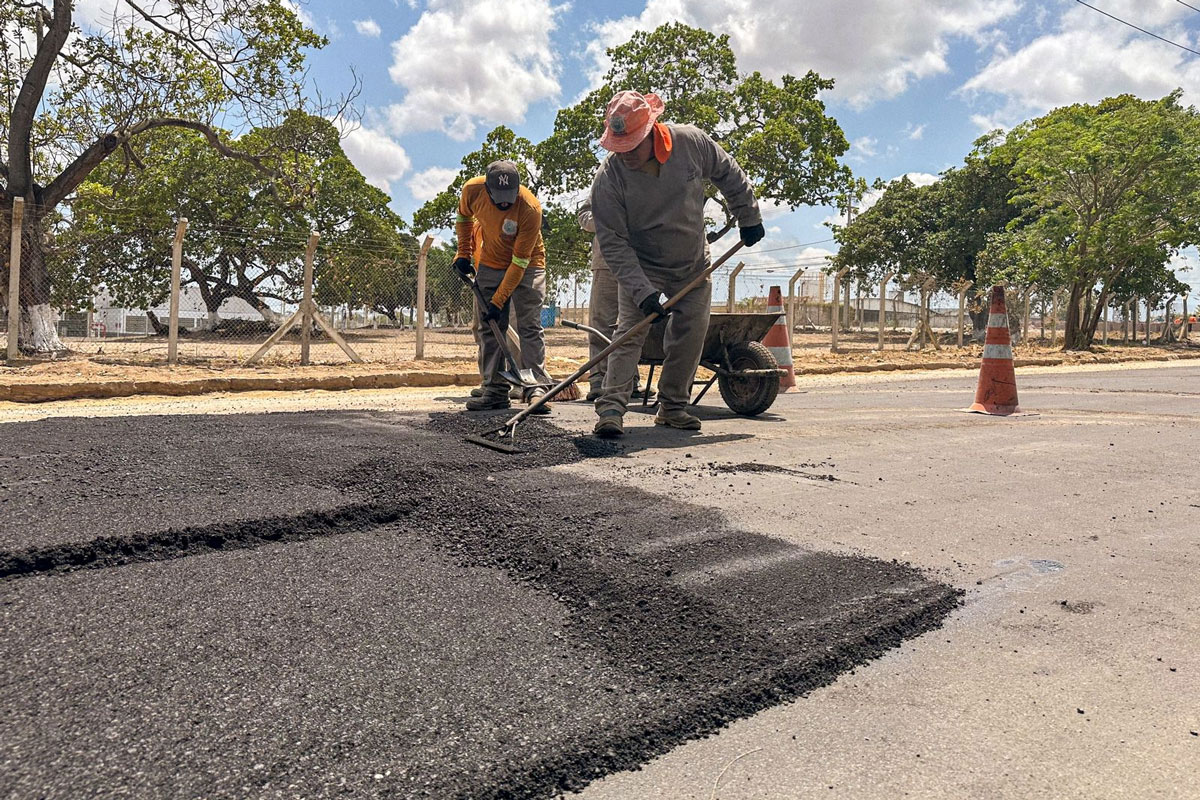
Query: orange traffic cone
[[997, 390], [779, 342]]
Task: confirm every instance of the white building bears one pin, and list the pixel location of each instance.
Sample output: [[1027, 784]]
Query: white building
[[111, 320]]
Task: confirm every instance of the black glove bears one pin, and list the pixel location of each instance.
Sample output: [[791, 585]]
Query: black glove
[[653, 305], [492, 313], [752, 235], [464, 268]]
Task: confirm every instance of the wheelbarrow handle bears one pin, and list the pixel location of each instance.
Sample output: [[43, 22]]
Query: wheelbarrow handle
[[566, 323]]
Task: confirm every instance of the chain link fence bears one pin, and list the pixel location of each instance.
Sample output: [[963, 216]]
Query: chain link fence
[[108, 294]]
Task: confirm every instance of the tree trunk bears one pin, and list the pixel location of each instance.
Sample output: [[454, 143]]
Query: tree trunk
[[160, 329], [36, 331], [1075, 335]]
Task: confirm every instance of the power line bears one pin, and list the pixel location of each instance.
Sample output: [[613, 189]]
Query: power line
[[1192, 7], [1136, 28]]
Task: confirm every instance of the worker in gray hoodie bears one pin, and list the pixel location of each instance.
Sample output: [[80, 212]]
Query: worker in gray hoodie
[[648, 207]]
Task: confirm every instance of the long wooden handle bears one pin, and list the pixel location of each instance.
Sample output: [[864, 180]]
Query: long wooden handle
[[617, 342]]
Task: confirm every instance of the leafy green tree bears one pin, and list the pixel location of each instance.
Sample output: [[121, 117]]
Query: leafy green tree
[[1109, 192], [72, 98], [245, 240], [778, 132]]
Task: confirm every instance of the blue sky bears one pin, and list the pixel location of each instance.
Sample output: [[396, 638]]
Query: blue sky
[[917, 80]]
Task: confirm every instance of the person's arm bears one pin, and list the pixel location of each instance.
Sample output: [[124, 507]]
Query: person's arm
[[529, 229], [612, 234], [731, 180], [585, 218], [464, 227]]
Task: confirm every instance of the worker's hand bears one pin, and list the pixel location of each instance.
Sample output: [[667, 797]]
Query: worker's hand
[[652, 304], [464, 268], [492, 312], [753, 234]]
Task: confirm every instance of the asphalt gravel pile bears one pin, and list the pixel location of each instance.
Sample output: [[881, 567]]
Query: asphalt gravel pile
[[455, 623]]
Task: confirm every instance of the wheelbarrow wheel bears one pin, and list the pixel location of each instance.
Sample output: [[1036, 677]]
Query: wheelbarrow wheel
[[754, 394]]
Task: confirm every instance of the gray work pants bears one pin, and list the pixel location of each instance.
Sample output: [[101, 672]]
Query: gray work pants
[[525, 307], [683, 342], [602, 315]]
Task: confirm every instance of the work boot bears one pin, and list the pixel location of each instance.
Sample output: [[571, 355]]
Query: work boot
[[595, 393], [610, 425], [516, 393], [477, 391], [488, 402], [677, 418], [534, 394]]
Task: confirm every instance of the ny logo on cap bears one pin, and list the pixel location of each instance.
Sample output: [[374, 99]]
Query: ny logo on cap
[[502, 179]]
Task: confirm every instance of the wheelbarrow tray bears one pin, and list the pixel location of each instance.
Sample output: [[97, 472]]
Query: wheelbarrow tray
[[724, 329]]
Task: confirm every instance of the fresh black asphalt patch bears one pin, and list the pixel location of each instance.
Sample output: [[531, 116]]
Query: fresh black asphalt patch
[[364, 605]]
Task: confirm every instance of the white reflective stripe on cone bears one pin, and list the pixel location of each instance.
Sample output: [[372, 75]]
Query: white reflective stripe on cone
[[997, 351], [783, 355], [997, 320]]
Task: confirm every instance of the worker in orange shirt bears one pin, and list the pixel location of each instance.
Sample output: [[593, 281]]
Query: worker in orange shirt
[[512, 274]]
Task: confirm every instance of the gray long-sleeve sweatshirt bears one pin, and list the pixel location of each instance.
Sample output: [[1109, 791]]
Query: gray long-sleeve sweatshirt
[[653, 227]]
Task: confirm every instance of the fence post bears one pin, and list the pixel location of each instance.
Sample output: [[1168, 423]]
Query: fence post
[[963, 288], [792, 301], [733, 287], [1025, 316], [883, 282], [422, 266], [1147, 321], [1104, 336], [14, 279], [306, 305], [1183, 333], [835, 308], [1054, 319], [176, 267]]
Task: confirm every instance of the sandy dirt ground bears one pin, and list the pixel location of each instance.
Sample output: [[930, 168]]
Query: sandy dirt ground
[[453, 353]]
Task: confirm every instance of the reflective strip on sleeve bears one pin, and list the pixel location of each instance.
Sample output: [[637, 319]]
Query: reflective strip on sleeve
[[461, 218], [997, 320], [523, 263], [997, 351]]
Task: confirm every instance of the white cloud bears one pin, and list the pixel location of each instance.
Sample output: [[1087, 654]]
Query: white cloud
[[864, 147], [368, 27], [467, 62], [1089, 57], [428, 183], [378, 157], [915, 132], [874, 49]]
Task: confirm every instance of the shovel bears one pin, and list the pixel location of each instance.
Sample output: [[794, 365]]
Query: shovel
[[513, 374], [495, 439]]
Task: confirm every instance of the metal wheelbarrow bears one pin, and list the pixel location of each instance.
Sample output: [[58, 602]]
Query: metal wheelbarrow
[[746, 373]]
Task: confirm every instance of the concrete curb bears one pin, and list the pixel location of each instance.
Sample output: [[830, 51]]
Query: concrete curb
[[78, 390]]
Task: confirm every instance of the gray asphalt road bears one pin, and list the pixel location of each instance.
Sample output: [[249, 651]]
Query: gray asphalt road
[[361, 604], [1073, 668]]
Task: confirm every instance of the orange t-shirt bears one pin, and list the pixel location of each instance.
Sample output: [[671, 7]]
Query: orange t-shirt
[[512, 239]]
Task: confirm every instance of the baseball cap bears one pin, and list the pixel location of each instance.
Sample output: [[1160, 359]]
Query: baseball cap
[[503, 181], [628, 119]]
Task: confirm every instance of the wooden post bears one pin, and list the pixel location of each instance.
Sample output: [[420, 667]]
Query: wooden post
[[883, 282], [176, 267], [422, 272], [835, 308], [792, 301], [306, 306], [1125, 323], [963, 287], [1183, 332], [14, 279], [847, 320], [1147, 321], [1054, 319], [729, 303], [1025, 318]]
